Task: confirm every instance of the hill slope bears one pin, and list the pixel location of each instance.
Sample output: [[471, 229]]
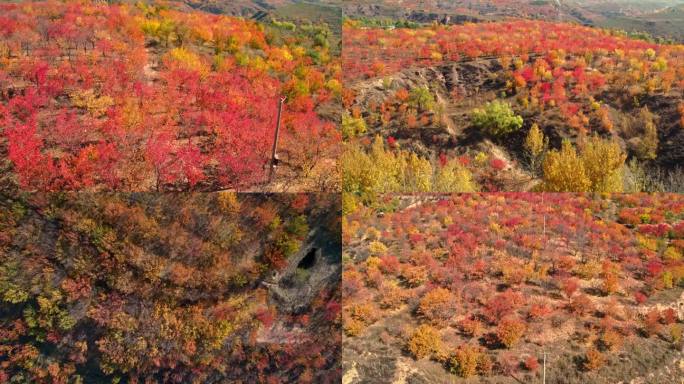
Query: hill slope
[[475, 288]]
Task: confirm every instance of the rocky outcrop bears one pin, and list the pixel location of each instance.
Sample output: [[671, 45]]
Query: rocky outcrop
[[316, 266]]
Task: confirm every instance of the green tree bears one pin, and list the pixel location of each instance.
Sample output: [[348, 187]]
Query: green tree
[[421, 98], [497, 119], [352, 127]]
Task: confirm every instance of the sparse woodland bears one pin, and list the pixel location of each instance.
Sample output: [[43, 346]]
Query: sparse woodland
[[513, 105], [147, 98], [481, 284]]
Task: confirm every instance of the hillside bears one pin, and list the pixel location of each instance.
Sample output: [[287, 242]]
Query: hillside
[[658, 18], [149, 98], [496, 102], [476, 288], [173, 288]]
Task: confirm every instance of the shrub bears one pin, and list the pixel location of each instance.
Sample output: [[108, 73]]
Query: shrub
[[669, 316], [570, 286], [377, 248], [647, 148], [509, 331], [497, 119], [414, 275], [676, 333], [470, 327], [501, 305], [438, 306], [531, 363], [672, 254], [389, 264], [651, 323], [588, 270], [379, 171], [465, 360], [610, 284], [484, 364], [352, 127], [357, 317], [564, 171], [581, 305], [539, 311], [612, 340], [603, 161], [421, 98], [187, 60], [497, 164], [424, 342], [391, 296], [640, 298], [593, 359]]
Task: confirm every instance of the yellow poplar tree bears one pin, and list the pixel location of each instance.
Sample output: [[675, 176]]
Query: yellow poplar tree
[[564, 171]]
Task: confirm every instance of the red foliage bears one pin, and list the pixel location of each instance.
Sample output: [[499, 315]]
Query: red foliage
[[570, 286], [300, 203], [539, 311], [669, 316], [191, 127], [640, 298], [502, 304], [531, 364], [265, 316], [497, 164], [651, 323], [389, 264]]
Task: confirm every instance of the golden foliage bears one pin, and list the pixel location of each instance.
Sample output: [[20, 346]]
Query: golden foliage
[[357, 317], [438, 306], [467, 360], [603, 162], [229, 203], [187, 60], [564, 171], [535, 142], [88, 100], [424, 342], [509, 331], [380, 171], [598, 167]]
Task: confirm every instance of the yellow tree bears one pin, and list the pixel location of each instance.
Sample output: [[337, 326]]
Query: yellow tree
[[603, 163], [564, 171], [535, 144], [597, 168]]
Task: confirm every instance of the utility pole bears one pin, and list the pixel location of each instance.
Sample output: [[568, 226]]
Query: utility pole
[[274, 151], [544, 370], [544, 227]]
